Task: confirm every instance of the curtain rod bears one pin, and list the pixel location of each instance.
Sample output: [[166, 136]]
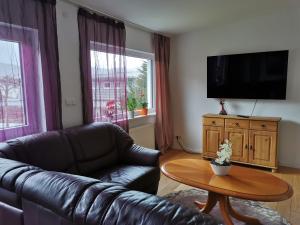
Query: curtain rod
[[127, 22]]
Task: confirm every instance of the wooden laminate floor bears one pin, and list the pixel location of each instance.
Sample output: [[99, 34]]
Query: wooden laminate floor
[[290, 208]]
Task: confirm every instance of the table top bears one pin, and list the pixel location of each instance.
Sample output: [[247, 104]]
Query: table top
[[241, 182]]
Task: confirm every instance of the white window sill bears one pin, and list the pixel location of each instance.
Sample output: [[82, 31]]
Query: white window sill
[[141, 120], [139, 117]]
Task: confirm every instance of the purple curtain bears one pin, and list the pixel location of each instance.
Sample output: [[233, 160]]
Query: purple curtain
[[103, 68], [30, 97]]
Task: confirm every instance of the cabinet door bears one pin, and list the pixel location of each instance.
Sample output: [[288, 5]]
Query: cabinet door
[[262, 148], [239, 140], [212, 138]]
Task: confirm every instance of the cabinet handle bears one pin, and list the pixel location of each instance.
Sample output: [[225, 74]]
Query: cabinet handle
[[250, 147], [237, 124], [213, 122], [246, 146], [263, 125]]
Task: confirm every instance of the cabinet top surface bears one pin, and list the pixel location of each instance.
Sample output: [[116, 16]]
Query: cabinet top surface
[[241, 182], [210, 115]]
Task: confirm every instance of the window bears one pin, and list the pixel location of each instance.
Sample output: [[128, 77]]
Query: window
[[30, 95], [140, 83], [13, 113], [22, 109], [140, 79]]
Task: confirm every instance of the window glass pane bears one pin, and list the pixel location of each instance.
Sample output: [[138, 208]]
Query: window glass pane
[[107, 73], [13, 113], [139, 83]]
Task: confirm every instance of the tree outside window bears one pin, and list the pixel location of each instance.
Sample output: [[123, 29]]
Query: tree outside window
[[11, 87]]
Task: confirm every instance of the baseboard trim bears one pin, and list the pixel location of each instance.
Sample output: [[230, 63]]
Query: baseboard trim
[[291, 165], [188, 150]]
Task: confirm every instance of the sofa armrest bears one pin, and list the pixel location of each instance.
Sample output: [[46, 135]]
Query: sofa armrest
[[141, 156], [12, 172]]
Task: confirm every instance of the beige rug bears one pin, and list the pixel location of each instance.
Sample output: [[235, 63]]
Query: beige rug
[[267, 216]]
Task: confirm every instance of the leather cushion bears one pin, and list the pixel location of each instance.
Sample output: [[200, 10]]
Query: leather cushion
[[134, 177], [9, 172], [95, 146], [137, 208], [87, 201], [138, 155], [1, 153], [9, 198], [96, 202], [9, 181], [6, 151], [10, 215], [49, 150], [35, 214], [58, 192]]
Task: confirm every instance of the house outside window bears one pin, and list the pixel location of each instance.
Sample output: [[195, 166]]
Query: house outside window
[[106, 85]]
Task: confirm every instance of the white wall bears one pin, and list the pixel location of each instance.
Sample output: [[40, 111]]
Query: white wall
[[68, 44], [277, 31], [68, 47]]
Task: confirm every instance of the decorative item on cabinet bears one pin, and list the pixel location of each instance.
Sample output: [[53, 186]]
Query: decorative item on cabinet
[[223, 111]]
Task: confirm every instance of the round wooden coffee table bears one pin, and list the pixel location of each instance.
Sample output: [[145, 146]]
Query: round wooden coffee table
[[242, 182]]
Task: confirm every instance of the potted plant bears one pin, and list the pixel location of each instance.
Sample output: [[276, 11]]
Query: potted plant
[[143, 104], [144, 110], [221, 165], [131, 105]]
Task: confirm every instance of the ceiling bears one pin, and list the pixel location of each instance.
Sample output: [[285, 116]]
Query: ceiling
[[179, 16]]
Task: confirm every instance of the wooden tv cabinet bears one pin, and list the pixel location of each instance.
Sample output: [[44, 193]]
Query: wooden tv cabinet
[[254, 139]]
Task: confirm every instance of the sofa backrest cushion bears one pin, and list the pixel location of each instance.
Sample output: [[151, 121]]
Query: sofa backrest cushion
[[97, 145], [1, 153], [87, 201], [49, 150], [58, 192]]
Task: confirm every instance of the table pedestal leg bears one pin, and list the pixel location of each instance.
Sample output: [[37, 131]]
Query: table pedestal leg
[[209, 205], [236, 215], [225, 208]]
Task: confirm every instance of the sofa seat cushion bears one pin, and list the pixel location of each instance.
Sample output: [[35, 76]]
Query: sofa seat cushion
[[134, 177]]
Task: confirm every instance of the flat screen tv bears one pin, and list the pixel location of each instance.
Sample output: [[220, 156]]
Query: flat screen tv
[[261, 75]]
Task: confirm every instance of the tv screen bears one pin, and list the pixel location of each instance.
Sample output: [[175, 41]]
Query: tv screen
[[261, 75]]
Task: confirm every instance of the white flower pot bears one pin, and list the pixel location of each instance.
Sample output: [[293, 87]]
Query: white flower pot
[[130, 114], [220, 170]]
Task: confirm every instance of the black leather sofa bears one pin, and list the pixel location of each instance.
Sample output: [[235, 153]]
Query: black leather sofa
[[91, 174]]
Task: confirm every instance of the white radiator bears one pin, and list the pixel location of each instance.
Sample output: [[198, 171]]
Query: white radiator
[[143, 135]]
